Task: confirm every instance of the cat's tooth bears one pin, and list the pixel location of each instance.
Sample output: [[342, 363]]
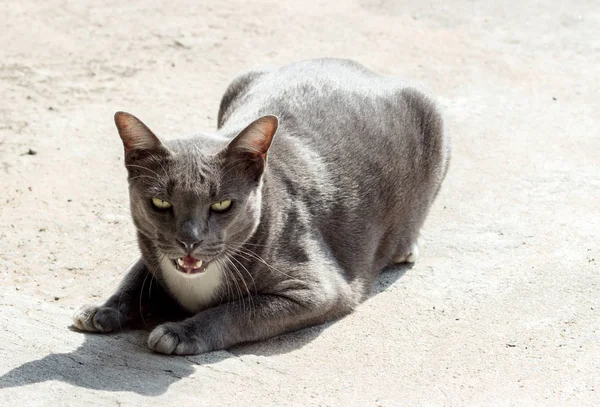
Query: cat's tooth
[[180, 262], [198, 264]]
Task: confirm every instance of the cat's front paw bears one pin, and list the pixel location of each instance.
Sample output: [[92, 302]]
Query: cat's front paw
[[92, 318], [175, 338]]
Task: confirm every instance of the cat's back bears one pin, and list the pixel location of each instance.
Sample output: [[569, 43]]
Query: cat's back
[[303, 89], [333, 103], [350, 116], [341, 109]]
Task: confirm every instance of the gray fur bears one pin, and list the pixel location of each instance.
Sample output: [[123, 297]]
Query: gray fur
[[349, 178]]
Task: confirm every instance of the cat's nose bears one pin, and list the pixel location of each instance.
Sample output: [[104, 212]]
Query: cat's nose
[[188, 245], [189, 235]]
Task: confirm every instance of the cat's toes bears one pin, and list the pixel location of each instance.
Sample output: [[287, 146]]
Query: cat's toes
[[411, 257], [83, 318], [414, 253], [174, 338], [92, 318]]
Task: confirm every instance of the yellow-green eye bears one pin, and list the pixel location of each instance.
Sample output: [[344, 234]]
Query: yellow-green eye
[[221, 206], [160, 204]]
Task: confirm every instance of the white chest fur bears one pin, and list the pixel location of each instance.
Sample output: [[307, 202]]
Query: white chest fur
[[193, 292]]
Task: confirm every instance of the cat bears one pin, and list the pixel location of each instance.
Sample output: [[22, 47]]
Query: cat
[[320, 175]]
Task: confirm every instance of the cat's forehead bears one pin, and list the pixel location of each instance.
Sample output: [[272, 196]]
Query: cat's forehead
[[184, 169], [193, 170], [195, 155], [205, 144]]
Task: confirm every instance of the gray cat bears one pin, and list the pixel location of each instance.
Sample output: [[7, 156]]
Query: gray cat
[[321, 174]]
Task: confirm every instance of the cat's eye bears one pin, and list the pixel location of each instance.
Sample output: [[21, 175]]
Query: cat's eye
[[161, 204], [221, 206]]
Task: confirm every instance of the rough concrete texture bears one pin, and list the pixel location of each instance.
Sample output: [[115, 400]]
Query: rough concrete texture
[[503, 306]]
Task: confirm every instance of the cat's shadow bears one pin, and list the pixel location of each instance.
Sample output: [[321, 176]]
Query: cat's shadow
[[123, 362]]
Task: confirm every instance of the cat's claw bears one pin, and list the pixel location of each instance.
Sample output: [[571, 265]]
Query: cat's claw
[[173, 338], [92, 318]]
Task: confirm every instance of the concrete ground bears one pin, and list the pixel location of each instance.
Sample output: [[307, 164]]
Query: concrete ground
[[503, 306]]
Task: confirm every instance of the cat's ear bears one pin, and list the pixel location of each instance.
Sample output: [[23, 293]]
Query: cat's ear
[[136, 136], [256, 138]]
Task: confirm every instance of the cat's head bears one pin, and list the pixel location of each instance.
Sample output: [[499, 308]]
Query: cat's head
[[193, 200]]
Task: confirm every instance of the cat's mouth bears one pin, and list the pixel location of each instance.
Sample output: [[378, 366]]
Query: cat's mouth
[[189, 265]]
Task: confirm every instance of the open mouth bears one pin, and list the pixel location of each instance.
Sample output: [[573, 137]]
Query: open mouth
[[189, 265]]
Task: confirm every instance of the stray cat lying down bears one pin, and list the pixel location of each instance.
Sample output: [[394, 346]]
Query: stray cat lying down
[[321, 174]]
